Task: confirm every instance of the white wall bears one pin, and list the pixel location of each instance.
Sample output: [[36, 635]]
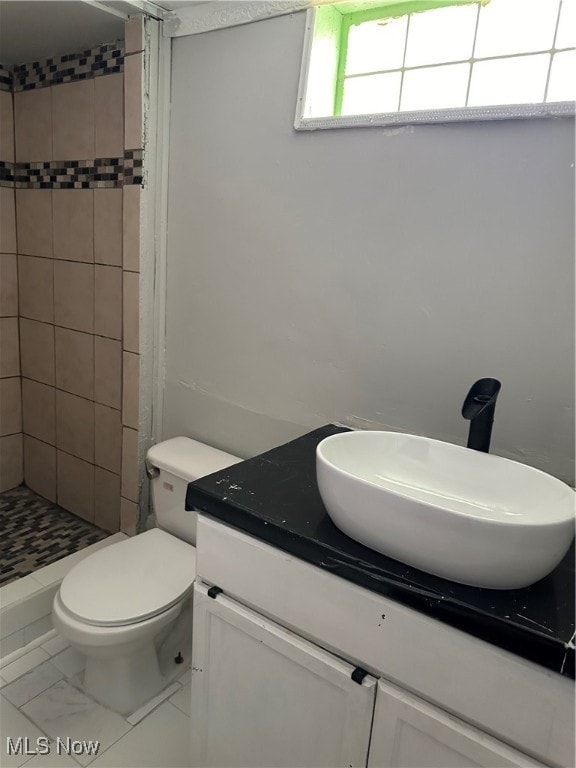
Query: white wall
[[360, 275]]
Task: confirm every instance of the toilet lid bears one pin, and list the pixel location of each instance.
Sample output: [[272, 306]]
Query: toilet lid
[[130, 581]]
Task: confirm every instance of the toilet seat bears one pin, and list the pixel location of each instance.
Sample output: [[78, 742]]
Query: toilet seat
[[130, 581]]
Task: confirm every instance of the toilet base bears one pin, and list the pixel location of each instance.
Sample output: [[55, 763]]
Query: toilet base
[[124, 683]]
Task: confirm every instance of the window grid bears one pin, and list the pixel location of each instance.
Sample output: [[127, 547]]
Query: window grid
[[471, 61]]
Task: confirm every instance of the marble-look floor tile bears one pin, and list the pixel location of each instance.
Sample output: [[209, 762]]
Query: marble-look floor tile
[[32, 683], [182, 699], [70, 662], [161, 740], [15, 724], [186, 677], [63, 711], [52, 760], [151, 705], [55, 645], [24, 664]]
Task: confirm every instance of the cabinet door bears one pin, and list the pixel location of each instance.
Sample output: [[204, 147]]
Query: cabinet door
[[262, 696], [409, 733]]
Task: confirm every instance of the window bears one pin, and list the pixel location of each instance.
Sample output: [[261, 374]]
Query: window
[[409, 61]]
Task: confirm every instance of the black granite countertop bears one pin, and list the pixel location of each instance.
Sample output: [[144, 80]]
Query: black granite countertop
[[274, 497]]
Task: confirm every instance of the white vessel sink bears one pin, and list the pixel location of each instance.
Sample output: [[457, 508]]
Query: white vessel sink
[[468, 516]]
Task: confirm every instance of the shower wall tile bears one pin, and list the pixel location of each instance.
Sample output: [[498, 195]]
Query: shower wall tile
[[34, 215], [130, 389], [108, 372], [39, 411], [131, 229], [128, 516], [108, 301], [33, 125], [107, 438], [75, 485], [36, 288], [131, 311], [130, 464], [133, 101], [7, 221], [11, 465], [74, 295], [75, 425], [37, 350], [8, 284], [9, 347], [73, 120], [40, 467], [106, 500], [6, 127], [109, 116], [73, 220], [10, 406], [75, 362], [108, 226], [134, 34]]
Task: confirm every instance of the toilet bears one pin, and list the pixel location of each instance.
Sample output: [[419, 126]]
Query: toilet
[[117, 603]]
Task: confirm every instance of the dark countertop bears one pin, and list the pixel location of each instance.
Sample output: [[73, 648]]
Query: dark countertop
[[275, 498]]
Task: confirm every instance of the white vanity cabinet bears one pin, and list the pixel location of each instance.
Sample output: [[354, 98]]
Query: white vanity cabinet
[[263, 696], [277, 640]]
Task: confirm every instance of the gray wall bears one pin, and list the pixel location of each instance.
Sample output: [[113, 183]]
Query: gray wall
[[360, 275]]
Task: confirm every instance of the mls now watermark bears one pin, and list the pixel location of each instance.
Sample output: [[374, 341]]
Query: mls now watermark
[[43, 746]]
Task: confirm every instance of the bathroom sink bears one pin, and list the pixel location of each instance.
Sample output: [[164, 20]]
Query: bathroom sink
[[468, 516]]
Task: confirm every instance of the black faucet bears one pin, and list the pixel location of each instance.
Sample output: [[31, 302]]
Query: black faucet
[[479, 408]]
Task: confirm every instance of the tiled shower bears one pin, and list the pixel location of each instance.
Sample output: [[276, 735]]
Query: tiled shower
[[71, 173]]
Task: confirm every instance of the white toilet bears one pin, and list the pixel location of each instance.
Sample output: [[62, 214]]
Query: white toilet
[[115, 604]]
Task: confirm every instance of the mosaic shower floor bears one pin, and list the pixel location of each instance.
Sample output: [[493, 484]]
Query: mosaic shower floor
[[36, 532]]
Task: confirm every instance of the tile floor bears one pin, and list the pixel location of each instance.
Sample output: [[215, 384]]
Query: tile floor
[[41, 696]]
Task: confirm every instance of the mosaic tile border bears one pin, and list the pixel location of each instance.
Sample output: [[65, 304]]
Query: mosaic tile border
[[105, 59], [102, 172], [6, 79]]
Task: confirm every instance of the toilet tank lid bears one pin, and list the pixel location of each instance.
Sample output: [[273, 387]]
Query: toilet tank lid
[[189, 459]]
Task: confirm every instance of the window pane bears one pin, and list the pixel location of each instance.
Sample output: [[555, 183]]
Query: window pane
[[435, 87], [371, 94], [444, 34], [509, 81], [376, 45], [562, 85], [566, 35], [516, 26]]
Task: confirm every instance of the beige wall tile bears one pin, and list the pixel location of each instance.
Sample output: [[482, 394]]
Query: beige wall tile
[[74, 295], [34, 215], [11, 465], [75, 425], [75, 362], [36, 288], [109, 115], [108, 372], [73, 218], [75, 487], [134, 34], [106, 500], [131, 311], [130, 389], [39, 411], [107, 438], [108, 226], [73, 120], [9, 347], [130, 464], [37, 350], [108, 301], [131, 228], [10, 406], [7, 221], [6, 127], [33, 125], [133, 101], [8, 283], [128, 517], [40, 467]]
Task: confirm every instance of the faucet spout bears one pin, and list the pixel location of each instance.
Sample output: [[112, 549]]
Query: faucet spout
[[478, 408]]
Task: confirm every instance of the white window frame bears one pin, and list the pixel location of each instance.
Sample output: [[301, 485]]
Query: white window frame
[[426, 117]]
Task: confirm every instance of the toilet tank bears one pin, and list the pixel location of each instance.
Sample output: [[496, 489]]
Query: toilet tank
[[178, 462]]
